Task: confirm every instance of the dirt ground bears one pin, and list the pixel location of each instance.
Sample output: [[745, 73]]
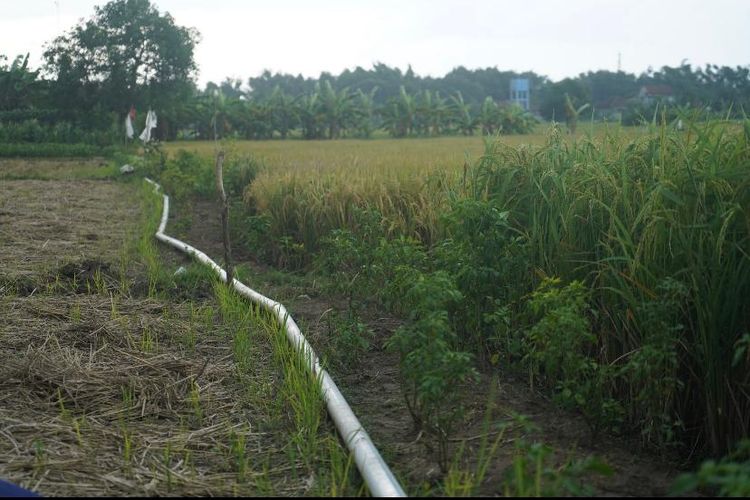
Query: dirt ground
[[373, 391], [106, 390]]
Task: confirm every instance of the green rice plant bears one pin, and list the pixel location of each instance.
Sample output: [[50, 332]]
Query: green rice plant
[[55, 286], [240, 462], [623, 217], [65, 414], [340, 475], [40, 456], [100, 284], [151, 205], [78, 423], [127, 445], [189, 337], [298, 391], [75, 313], [149, 340], [167, 459], [114, 312], [195, 403]]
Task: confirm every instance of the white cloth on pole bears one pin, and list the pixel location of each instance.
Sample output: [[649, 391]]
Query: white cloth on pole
[[129, 132], [150, 124]]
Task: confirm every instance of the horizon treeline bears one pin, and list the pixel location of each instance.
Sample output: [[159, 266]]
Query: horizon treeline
[[128, 54], [36, 105]]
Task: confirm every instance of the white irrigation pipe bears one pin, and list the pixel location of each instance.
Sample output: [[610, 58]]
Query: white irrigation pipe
[[379, 478]]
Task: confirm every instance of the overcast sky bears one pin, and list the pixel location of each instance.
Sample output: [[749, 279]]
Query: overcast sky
[[557, 38]]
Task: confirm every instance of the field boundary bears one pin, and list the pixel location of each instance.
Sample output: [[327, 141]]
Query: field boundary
[[375, 472]]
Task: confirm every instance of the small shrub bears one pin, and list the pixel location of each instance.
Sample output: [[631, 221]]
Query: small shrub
[[560, 348], [432, 369], [729, 477]]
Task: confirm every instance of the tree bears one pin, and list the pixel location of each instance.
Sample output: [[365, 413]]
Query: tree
[[572, 113], [552, 106], [284, 112], [18, 84], [462, 115], [126, 53]]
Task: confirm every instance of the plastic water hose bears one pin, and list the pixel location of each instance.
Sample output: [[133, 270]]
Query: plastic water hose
[[375, 472]]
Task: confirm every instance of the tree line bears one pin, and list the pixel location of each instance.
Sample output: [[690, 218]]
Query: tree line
[[131, 54]]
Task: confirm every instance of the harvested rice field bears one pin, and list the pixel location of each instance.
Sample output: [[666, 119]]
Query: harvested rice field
[[120, 379]]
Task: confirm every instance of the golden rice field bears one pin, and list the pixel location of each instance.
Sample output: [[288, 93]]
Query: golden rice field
[[311, 187], [384, 155]]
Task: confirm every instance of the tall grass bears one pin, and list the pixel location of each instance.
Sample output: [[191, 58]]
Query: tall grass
[[656, 227], [659, 228]]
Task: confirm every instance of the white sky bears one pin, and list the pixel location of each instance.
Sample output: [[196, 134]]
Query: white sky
[[557, 38]]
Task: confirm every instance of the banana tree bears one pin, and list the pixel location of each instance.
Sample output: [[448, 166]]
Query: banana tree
[[515, 120], [364, 112], [283, 111], [399, 114], [573, 113], [431, 113], [462, 115], [310, 116], [336, 108], [489, 117]]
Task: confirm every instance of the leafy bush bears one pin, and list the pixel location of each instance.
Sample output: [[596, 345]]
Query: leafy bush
[[488, 260], [432, 368], [561, 344], [45, 150], [728, 477], [35, 131], [532, 474]]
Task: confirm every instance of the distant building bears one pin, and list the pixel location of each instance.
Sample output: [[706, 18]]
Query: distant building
[[652, 93], [519, 92]]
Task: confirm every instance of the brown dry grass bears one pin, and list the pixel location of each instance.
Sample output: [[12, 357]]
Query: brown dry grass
[[106, 391], [77, 389], [46, 224]]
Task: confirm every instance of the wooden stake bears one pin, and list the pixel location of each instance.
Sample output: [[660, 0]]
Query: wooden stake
[[224, 217]]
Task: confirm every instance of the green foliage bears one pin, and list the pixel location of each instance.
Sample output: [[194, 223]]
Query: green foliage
[[433, 370], [126, 53], [553, 104], [728, 477], [532, 474], [363, 261], [348, 338], [653, 368], [186, 175], [62, 132], [560, 350], [488, 261], [46, 150]]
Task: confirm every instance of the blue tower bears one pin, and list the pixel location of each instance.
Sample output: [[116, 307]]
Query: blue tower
[[519, 92]]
